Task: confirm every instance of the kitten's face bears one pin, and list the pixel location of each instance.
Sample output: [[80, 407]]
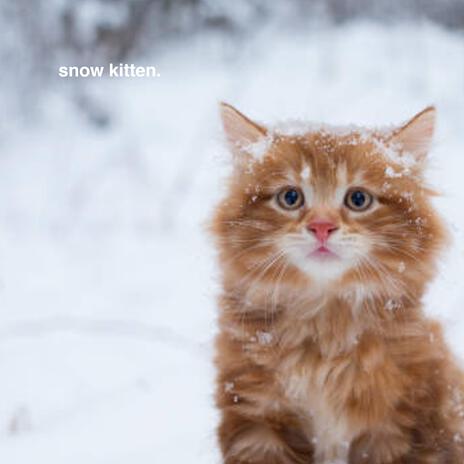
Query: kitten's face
[[329, 210]]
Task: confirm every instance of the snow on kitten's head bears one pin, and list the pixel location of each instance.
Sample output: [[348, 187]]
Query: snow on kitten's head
[[315, 208]]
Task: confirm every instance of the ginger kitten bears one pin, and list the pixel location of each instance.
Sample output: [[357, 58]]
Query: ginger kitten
[[327, 240]]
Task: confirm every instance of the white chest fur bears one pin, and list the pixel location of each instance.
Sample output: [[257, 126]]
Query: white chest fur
[[327, 428]]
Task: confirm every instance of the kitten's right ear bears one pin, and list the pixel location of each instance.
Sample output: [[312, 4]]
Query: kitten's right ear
[[240, 131], [415, 137]]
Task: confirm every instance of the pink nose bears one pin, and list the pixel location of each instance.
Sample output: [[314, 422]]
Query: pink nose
[[322, 229]]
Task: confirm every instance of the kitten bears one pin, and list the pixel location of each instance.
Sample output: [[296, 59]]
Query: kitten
[[327, 240]]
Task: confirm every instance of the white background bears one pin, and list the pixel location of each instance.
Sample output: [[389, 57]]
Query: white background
[[107, 276]]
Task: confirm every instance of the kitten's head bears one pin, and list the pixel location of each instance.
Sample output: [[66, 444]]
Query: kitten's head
[[316, 208]]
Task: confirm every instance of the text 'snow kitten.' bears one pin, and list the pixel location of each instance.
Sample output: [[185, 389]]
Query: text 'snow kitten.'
[[327, 240]]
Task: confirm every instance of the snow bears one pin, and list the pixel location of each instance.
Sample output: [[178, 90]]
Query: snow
[[107, 276], [296, 127], [390, 172], [229, 386], [391, 305], [352, 134], [306, 173], [259, 149], [393, 153], [264, 338]]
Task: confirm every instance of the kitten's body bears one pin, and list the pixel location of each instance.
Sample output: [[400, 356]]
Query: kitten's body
[[331, 359]]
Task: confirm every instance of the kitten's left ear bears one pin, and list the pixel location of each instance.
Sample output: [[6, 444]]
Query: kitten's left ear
[[415, 137], [241, 132]]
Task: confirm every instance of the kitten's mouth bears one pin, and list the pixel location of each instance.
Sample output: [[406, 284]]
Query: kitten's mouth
[[322, 253]]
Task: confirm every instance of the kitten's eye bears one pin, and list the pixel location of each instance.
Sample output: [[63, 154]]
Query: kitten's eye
[[290, 198], [358, 199]]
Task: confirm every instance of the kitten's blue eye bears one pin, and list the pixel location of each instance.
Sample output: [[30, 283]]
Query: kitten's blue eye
[[358, 199], [290, 198]]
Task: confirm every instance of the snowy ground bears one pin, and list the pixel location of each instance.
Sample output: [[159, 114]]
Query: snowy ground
[[107, 278]]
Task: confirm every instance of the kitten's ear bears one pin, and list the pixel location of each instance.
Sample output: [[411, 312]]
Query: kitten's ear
[[415, 137], [240, 131]]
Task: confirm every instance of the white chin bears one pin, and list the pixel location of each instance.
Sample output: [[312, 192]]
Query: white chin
[[322, 269]]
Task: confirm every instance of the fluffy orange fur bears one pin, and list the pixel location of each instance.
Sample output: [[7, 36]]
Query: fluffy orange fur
[[330, 359]]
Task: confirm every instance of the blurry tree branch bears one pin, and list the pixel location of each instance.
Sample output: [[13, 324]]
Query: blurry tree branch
[[40, 35]]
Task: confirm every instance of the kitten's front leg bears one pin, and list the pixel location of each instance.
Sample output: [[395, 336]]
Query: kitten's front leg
[[381, 448], [246, 440]]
